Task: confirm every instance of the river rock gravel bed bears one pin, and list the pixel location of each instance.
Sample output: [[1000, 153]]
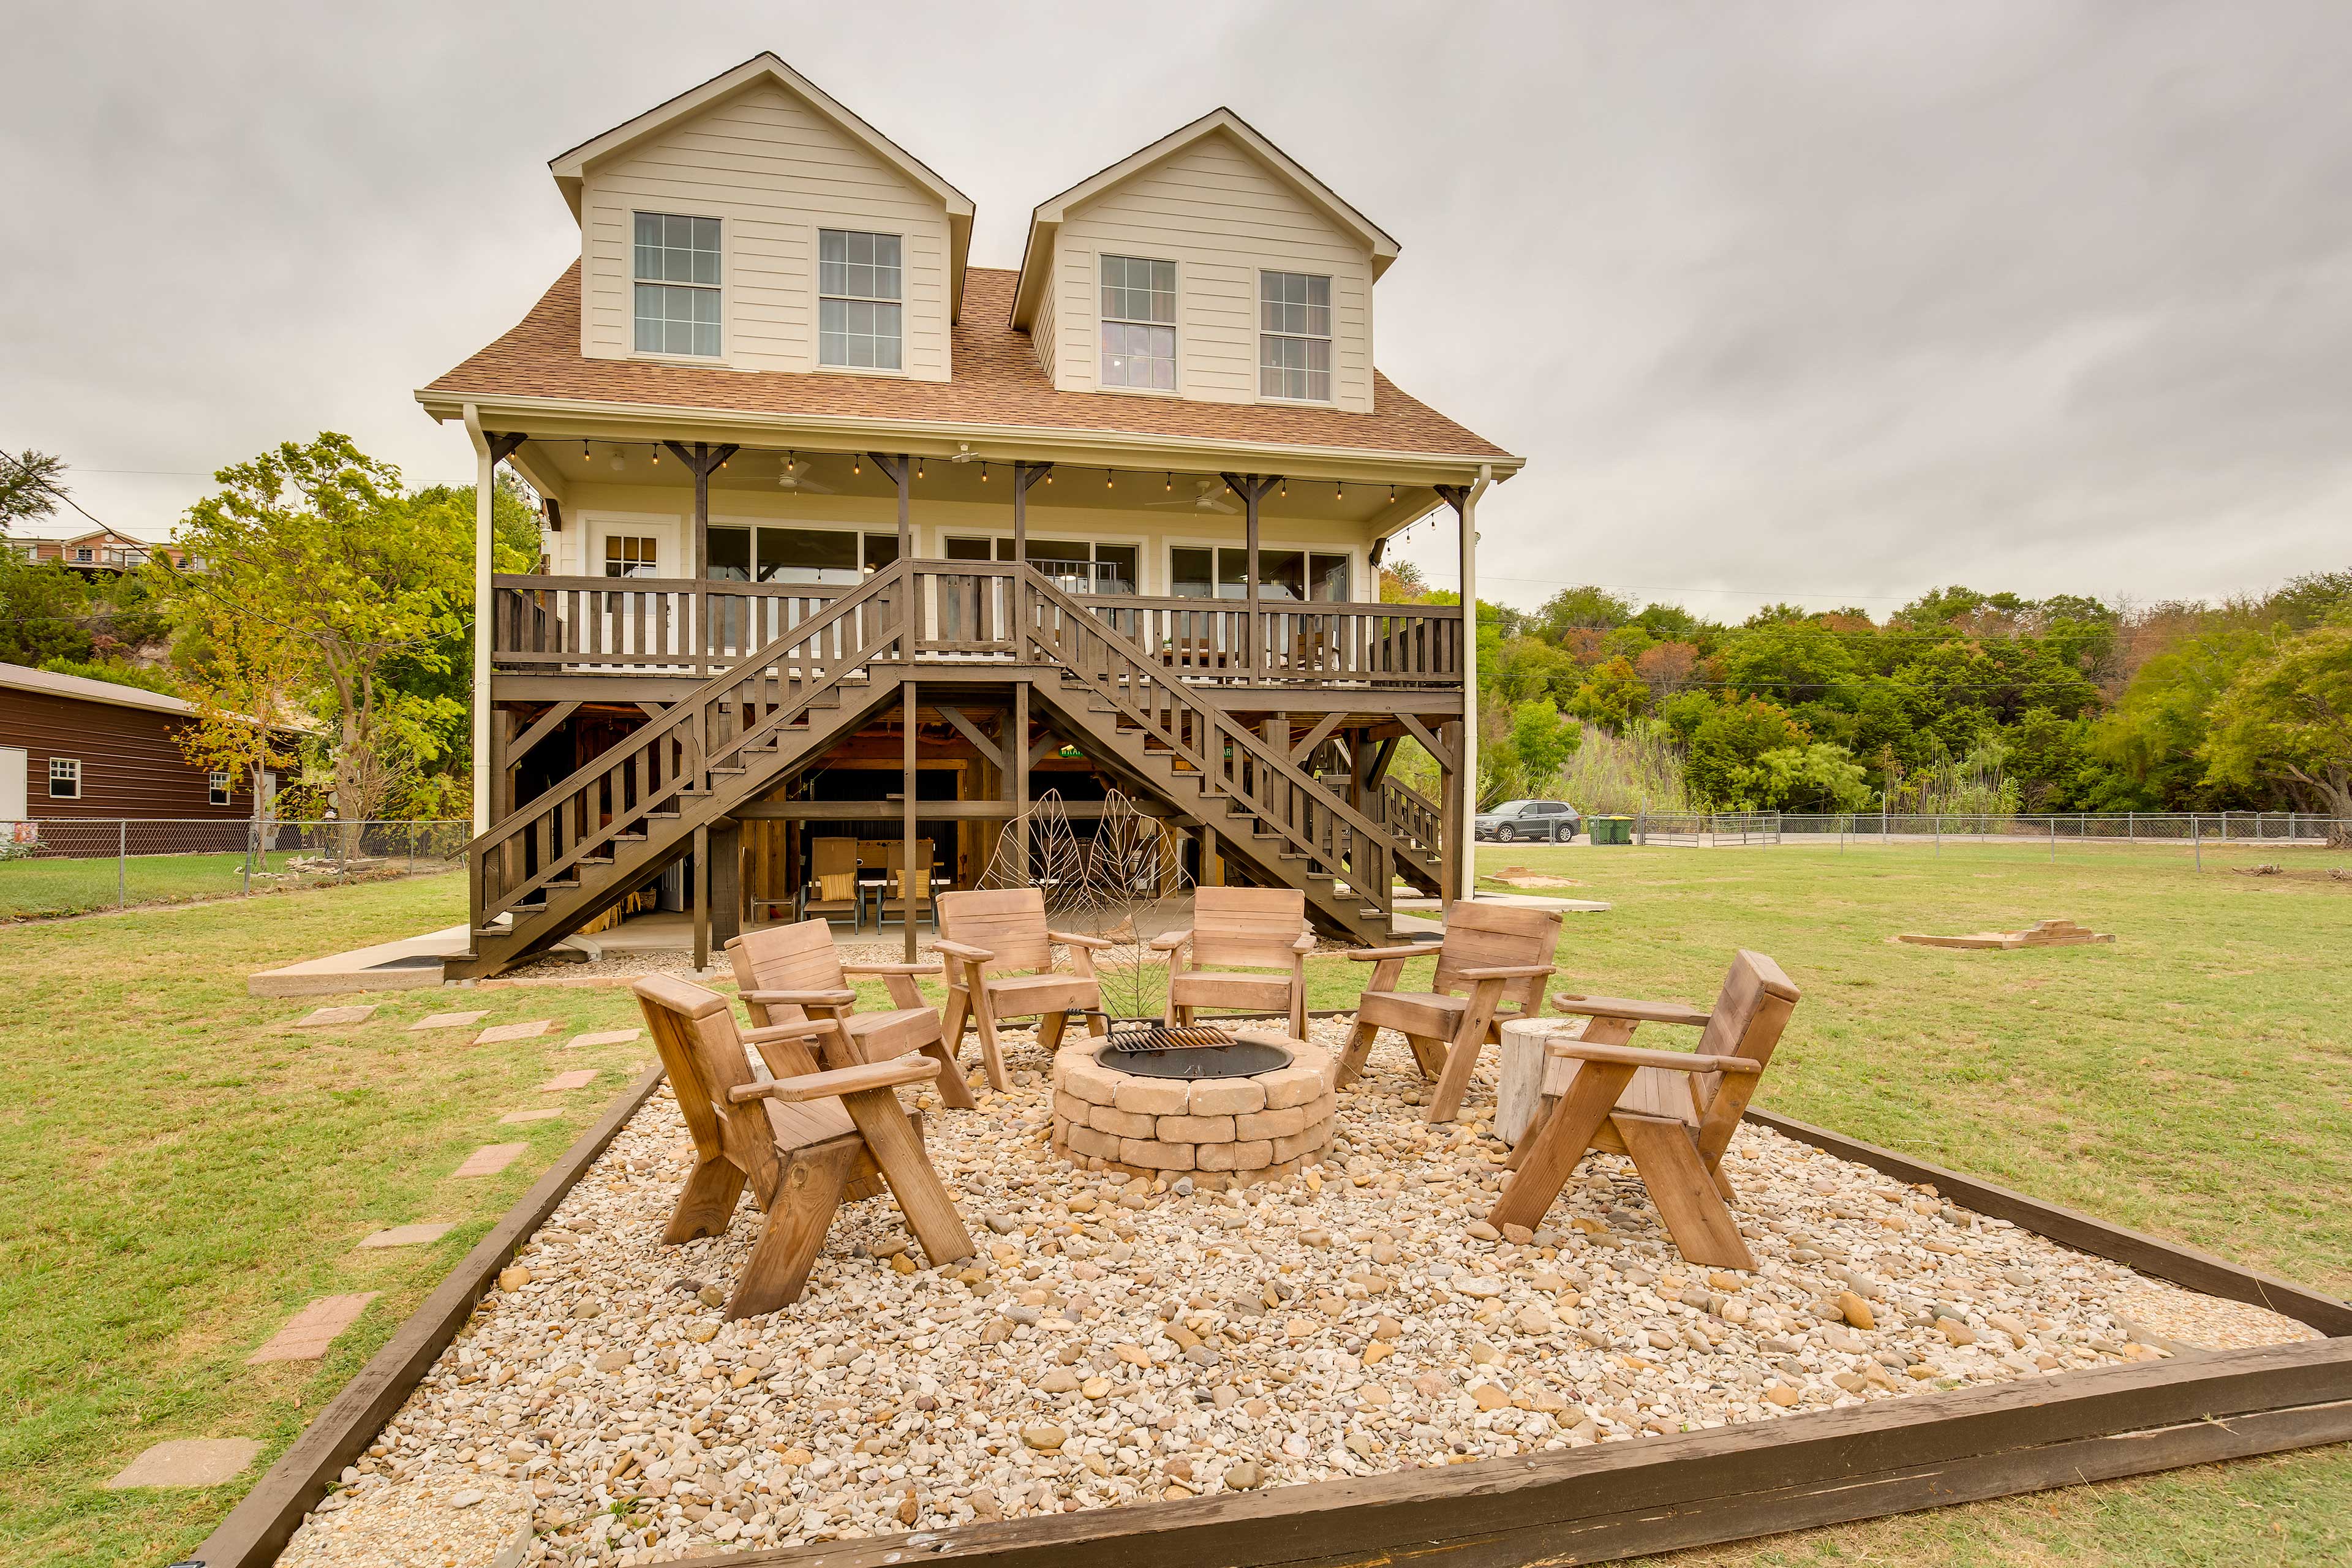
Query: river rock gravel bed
[[1118, 1342]]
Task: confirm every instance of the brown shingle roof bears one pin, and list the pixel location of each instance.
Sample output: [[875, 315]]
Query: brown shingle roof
[[997, 382]]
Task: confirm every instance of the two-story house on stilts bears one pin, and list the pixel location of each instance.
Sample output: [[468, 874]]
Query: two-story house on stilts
[[843, 536]]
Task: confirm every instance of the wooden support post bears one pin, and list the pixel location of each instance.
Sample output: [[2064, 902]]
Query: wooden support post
[[1464, 499], [1018, 741], [912, 876], [725, 881], [701, 897], [701, 463], [1252, 490], [1213, 870], [1454, 852]]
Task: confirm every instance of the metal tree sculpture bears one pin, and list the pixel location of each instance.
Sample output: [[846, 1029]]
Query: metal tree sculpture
[[1124, 883]]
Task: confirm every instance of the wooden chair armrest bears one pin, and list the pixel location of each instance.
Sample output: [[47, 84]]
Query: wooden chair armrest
[[1071, 939], [1505, 972], [889, 969], [1626, 1007], [1376, 954], [964, 949], [1306, 943], [1635, 1056], [913, 1069], [1169, 941], [801, 998], [800, 1031]]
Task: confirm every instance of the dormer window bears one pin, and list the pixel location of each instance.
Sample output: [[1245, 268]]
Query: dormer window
[[858, 293], [1293, 352], [678, 284], [1139, 323]]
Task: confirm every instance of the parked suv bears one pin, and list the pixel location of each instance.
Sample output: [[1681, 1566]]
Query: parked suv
[[1550, 820]]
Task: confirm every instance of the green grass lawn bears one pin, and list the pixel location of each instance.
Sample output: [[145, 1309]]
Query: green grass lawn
[[186, 1170], [38, 889]]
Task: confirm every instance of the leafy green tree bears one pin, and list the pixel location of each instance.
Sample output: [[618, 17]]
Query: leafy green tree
[[1534, 742], [1818, 777], [2288, 716], [1727, 744], [1573, 610], [44, 612], [1789, 663], [30, 484], [319, 544], [1612, 695]]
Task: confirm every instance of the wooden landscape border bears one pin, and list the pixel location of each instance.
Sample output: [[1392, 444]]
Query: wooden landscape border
[[258, 1529], [1586, 1505]]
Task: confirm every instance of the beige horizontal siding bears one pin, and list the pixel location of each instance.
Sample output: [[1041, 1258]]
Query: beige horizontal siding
[[774, 172], [1221, 216]]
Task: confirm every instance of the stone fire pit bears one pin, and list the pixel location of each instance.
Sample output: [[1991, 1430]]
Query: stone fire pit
[[1269, 1124]]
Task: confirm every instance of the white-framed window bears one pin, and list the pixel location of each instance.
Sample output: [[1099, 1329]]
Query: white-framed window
[[65, 778], [773, 553], [859, 287], [219, 789], [1139, 323], [1223, 572], [1294, 340], [677, 274], [631, 556]]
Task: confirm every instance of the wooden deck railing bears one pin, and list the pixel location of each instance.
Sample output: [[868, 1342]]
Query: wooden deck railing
[[964, 610]]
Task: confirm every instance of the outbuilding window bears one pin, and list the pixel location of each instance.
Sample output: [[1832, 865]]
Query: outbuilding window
[[65, 778], [219, 789]]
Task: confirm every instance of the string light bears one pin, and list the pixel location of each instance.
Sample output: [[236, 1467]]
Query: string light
[[857, 465], [1167, 483], [918, 467], [656, 456], [1336, 488], [1391, 493], [584, 453], [983, 473], [1049, 476], [1106, 478], [1285, 489]]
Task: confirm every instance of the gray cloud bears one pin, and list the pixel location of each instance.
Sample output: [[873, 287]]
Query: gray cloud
[[1823, 301]]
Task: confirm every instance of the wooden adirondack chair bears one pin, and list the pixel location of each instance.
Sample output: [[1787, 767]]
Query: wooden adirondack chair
[[801, 1140], [1674, 1114], [832, 886], [999, 959], [786, 975], [1491, 967], [1262, 928]]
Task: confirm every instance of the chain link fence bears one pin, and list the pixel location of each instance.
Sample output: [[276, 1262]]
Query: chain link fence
[[2194, 831], [63, 865]]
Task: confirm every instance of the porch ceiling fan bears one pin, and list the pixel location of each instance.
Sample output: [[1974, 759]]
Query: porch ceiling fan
[[792, 476], [1207, 499]]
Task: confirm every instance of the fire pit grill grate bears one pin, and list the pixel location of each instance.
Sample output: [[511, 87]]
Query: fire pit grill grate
[[1166, 1037]]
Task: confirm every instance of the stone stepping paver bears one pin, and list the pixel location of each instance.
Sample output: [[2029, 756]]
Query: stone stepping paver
[[405, 1236], [546, 1113], [188, 1462], [449, 1020], [490, 1159], [505, 1032], [329, 1017], [567, 1080], [309, 1333], [605, 1037]]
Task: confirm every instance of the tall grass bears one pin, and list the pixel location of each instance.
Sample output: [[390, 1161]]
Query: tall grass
[[1641, 770]]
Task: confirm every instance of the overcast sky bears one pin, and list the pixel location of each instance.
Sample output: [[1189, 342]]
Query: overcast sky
[[1823, 302]]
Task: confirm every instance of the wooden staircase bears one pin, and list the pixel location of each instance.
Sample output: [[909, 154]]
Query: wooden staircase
[[554, 864], [1281, 824], [551, 865]]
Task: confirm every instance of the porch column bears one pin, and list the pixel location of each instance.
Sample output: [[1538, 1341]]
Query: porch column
[[907, 757], [700, 462], [726, 880], [484, 482], [1464, 861], [1252, 490], [1017, 741], [1023, 476]]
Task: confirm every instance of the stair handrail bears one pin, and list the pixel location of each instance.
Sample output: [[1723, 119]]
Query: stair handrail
[[689, 710], [1420, 803], [697, 699], [1214, 726]]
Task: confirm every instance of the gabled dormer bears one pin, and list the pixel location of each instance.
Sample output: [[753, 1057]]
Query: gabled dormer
[[1208, 265], [757, 224]]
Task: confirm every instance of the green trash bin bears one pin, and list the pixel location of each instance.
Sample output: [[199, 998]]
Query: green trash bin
[[1609, 829]]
